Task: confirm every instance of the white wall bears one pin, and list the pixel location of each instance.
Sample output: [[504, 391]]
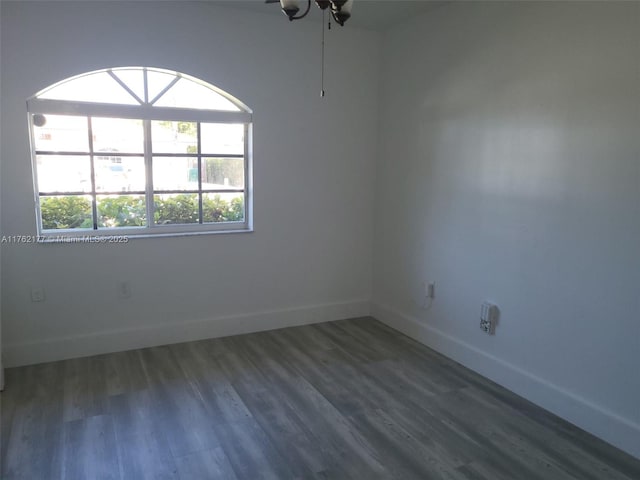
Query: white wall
[[1, 361], [510, 172], [309, 258]]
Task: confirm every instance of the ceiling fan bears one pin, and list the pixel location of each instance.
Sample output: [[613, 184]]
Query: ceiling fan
[[340, 9]]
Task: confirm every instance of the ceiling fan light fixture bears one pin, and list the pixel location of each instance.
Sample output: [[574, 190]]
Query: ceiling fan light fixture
[[340, 9], [290, 8], [342, 13]]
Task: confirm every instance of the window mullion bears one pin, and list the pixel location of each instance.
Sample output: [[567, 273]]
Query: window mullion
[[200, 210], [144, 112], [248, 175], [146, 86], [164, 90], [125, 86], [148, 167], [94, 198]]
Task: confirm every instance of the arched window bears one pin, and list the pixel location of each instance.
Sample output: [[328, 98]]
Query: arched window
[[139, 151]]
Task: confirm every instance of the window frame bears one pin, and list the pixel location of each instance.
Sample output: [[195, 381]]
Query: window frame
[[146, 112]]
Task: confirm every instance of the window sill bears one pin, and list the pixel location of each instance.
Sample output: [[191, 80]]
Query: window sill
[[126, 237]]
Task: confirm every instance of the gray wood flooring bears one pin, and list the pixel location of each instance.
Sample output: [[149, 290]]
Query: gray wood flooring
[[352, 399]]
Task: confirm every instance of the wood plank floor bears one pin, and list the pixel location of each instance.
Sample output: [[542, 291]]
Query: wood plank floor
[[351, 399]]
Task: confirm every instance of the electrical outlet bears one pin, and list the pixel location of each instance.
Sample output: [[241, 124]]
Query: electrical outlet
[[431, 290], [488, 318], [37, 294], [124, 290]]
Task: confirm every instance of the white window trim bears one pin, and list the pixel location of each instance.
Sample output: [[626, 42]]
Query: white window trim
[[146, 113]]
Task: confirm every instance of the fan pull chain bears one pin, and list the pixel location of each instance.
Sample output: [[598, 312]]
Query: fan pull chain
[[322, 63]]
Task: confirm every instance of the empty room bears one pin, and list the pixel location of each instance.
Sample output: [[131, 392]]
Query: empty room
[[300, 239]]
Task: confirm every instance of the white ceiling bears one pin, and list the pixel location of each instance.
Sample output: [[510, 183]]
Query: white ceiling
[[371, 14]]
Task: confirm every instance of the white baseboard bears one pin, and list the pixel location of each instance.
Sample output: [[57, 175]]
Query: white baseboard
[[75, 346], [601, 422]]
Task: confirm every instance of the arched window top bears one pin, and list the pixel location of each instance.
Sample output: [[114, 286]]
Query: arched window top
[[150, 87], [139, 151]]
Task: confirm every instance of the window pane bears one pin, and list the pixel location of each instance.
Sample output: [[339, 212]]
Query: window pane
[[119, 174], [156, 82], [222, 173], [222, 207], [133, 79], [174, 137], [66, 212], [98, 87], [172, 209], [117, 135], [60, 173], [175, 173], [121, 211], [222, 138], [61, 133], [188, 94]]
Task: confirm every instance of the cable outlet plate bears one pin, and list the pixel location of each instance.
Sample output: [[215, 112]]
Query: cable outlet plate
[[429, 289], [37, 294], [124, 290]]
